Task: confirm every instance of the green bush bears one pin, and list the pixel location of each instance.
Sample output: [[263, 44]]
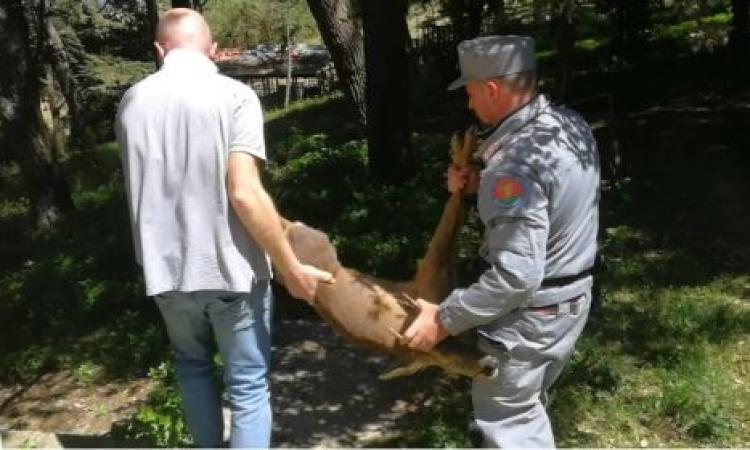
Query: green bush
[[376, 228], [160, 422], [446, 418]]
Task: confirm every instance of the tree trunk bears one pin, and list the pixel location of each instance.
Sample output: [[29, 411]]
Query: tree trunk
[[341, 29], [739, 39], [288, 91], [501, 18], [60, 61], [565, 37], [538, 11], [388, 89], [152, 11], [474, 27], [25, 134], [456, 9], [67, 58]]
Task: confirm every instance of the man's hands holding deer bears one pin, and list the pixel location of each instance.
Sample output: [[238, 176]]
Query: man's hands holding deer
[[462, 178], [427, 330], [301, 280]]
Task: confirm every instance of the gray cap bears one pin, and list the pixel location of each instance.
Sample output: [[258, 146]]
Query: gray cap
[[494, 56]]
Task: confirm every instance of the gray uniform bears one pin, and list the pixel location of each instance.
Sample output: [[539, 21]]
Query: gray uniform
[[538, 200]]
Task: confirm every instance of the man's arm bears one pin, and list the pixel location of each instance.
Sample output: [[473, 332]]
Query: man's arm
[[514, 205], [258, 214]]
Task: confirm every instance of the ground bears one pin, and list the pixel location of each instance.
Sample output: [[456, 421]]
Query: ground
[[325, 393]]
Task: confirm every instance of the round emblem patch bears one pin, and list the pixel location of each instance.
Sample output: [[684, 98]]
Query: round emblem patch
[[508, 190]]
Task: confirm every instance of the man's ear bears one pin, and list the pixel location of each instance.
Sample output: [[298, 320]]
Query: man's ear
[[494, 88], [212, 50], [160, 52]]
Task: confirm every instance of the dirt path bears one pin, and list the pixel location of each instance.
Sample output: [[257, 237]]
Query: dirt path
[[325, 393]]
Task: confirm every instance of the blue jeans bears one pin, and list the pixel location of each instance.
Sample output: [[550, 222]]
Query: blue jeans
[[239, 325]]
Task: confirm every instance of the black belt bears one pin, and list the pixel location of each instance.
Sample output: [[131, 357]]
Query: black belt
[[554, 308], [564, 281]]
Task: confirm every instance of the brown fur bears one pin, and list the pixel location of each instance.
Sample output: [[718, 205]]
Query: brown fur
[[368, 310]]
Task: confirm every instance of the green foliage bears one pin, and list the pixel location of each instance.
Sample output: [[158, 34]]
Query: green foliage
[[374, 227], [72, 296], [111, 75], [160, 422], [592, 369], [655, 366], [118, 27], [112, 72], [696, 396], [246, 23], [85, 373], [660, 363], [446, 416]]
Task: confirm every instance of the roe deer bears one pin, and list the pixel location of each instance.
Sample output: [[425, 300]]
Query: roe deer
[[373, 312]]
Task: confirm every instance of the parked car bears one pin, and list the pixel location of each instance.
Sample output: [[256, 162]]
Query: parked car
[[269, 51], [250, 57]]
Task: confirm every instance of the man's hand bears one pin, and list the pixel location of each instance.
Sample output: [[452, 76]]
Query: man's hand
[[462, 178], [302, 280], [426, 331]]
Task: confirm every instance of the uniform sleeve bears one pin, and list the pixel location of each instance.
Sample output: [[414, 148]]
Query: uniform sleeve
[[513, 207], [247, 125]]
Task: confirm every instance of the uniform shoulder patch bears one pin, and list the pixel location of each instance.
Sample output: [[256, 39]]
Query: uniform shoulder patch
[[508, 190]]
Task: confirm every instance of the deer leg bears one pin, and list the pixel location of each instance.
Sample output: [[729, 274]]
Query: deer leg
[[435, 276], [409, 369]]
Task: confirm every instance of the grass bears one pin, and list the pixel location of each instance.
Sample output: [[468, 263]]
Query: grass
[[657, 367]]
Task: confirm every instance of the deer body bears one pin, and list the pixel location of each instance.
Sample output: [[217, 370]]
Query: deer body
[[372, 312]]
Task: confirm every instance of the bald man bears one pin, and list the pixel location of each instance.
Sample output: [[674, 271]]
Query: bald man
[[204, 227]]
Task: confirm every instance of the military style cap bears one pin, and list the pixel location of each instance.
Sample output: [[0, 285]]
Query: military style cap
[[494, 56]]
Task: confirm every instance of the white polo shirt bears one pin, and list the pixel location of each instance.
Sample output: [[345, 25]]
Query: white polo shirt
[[176, 129]]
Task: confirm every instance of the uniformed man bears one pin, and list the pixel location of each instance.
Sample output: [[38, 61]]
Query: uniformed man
[[538, 197]]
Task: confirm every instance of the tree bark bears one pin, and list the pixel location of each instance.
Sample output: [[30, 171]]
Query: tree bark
[[24, 131], [474, 27], [538, 11], [739, 39], [60, 61], [501, 18], [152, 11], [388, 89], [565, 37], [341, 28], [456, 9]]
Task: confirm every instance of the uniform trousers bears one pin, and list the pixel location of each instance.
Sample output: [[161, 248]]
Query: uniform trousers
[[532, 348]]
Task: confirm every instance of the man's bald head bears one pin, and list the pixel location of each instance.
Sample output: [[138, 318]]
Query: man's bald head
[[184, 28]]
